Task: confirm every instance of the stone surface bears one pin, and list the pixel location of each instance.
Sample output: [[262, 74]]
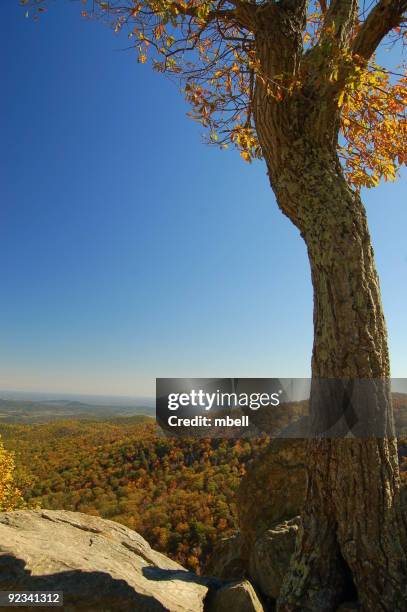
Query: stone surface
[[270, 556], [272, 490], [349, 606], [226, 559], [98, 564], [236, 597]]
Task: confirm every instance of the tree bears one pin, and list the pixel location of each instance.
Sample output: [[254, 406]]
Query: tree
[[10, 496], [296, 83]]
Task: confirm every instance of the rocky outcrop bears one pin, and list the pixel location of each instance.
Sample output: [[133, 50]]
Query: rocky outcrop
[[226, 560], [270, 498], [98, 564], [236, 597], [272, 490], [270, 556]]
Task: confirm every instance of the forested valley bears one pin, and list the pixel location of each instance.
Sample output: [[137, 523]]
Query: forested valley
[[179, 494]]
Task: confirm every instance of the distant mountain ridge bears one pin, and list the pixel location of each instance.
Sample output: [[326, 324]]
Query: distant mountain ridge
[[26, 411]]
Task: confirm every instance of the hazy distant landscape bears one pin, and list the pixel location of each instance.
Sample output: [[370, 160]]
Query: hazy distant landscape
[[47, 410]]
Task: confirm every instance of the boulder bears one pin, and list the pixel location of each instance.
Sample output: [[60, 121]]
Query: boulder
[[226, 559], [98, 564], [270, 556], [236, 597], [273, 489]]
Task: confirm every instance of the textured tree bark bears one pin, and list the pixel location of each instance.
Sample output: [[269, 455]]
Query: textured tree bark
[[353, 525], [353, 539]]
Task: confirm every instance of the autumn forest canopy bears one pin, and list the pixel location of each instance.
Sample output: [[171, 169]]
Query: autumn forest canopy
[[212, 49]]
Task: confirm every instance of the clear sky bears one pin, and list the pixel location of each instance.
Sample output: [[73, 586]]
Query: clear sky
[[129, 249]]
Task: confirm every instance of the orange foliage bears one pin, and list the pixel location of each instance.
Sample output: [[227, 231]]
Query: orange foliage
[[211, 46]]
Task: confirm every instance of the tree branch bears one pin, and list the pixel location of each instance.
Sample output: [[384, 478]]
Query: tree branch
[[339, 20], [322, 4], [242, 13], [385, 16]]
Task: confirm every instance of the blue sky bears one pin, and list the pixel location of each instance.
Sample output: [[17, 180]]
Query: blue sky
[[131, 250]]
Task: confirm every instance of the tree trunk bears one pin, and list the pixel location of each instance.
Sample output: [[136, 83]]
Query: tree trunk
[[354, 533], [353, 541]]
